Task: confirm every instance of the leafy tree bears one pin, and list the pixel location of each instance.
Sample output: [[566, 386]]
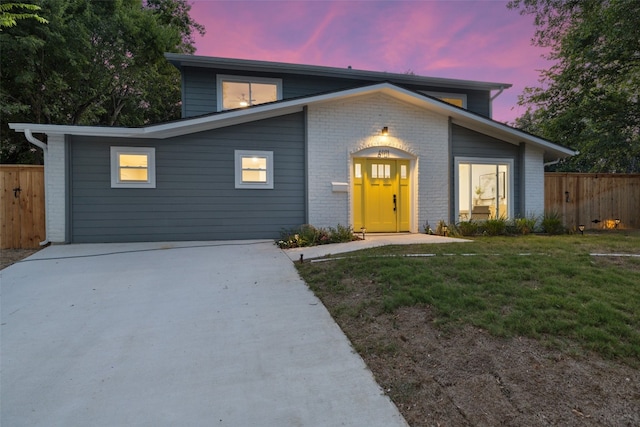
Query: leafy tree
[[9, 17], [96, 63], [588, 98]]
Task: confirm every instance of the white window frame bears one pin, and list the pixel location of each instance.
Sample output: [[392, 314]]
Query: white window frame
[[221, 78], [440, 95], [239, 155], [150, 152], [485, 161]]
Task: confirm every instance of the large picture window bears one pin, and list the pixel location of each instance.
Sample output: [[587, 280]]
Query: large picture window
[[133, 167], [254, 169], [484, 189], [239, 92]]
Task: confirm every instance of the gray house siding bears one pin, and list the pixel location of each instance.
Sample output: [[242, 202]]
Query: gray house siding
[[195, 196], [468, 143], [200, 92]]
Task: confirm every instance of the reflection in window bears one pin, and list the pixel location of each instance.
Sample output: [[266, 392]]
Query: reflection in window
[[358, 171], [380, 171], [254, 169], [133, 167], [483, 191], [240, 92]]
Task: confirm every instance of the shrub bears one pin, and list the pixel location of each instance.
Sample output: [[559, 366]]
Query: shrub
[[526, 225], [552, 223], [308, 235], [341, 234], [468, 228], [452, 230], [494, 227]]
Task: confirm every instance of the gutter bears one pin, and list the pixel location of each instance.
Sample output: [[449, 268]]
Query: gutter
[[35, 141], [556, 161], [551, 163]]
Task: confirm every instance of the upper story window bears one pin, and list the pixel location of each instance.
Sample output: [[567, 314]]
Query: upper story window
[[240, 92], [457, 99], [133, 167]]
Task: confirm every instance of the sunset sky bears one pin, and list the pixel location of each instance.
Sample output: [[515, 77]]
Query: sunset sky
[[473, 40]]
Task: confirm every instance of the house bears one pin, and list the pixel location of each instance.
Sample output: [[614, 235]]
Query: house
[[266, 146]]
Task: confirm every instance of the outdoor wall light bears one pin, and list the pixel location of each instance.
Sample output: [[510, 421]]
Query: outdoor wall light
[[566, 196], [617, 221], [384, 131], [581, 228], [445, 229]]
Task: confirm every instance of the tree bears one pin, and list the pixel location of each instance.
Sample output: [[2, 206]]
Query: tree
[[9, 17], [96, 63], [588, 98]]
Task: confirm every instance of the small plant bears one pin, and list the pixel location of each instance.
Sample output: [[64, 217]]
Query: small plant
[[552, 223], [308, 235], [427, 228], [452, 230], [525, 225], [468, 228], [341, 234], [494, 227]]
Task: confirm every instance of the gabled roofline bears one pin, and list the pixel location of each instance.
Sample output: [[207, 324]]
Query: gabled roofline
[[182, 60], [458, 116]]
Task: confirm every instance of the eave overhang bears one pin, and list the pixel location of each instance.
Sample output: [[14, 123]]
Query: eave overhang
[[244, 65], [212, 121]]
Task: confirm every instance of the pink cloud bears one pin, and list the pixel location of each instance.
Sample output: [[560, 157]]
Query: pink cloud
[[474, 40]]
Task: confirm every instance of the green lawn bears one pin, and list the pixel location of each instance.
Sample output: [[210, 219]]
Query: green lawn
[[545, 287]]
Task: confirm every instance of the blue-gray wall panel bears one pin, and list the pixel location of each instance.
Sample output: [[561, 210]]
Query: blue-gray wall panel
[[194, 198], [468, 143], [200, 95]]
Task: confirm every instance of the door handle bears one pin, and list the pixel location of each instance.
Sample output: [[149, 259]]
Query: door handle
[[395, 203]]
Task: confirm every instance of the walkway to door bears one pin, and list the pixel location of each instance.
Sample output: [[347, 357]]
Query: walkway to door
[[371, 241]]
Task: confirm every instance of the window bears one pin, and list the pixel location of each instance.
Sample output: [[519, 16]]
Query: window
[[484, 189], [254, 169], [457, 99], [240, 92], [133, 167]]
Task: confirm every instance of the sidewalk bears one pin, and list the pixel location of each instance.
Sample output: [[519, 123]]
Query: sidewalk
[[371, 241]]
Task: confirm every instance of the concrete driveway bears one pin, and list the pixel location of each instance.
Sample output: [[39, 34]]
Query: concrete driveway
[[188, 334]]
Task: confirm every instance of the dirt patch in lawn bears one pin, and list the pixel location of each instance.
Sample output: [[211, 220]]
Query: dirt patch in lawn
[[11, 256], [466, 377]]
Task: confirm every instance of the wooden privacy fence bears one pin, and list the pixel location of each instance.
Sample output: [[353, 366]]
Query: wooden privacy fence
[[595, 200], [22, 206]]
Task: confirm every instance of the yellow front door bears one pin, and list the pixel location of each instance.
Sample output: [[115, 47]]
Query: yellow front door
[[381, 195]]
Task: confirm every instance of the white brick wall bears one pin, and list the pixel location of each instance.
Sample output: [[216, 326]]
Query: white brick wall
[[55, 179], [338, 129], [534, 180]]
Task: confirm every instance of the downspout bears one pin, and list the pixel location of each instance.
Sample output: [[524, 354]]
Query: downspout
[[555, 162], [551, 163], [35, 141], [492, 98]]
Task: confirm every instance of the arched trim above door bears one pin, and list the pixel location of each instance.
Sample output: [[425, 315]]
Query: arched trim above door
[[383, 152]]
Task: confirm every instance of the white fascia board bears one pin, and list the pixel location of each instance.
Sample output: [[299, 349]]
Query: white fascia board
[[259, 112], [77, 130]]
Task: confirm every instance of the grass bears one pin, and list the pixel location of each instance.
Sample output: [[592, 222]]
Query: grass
[[545, 287]]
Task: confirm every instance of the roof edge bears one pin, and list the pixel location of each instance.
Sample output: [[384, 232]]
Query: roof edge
[[180, 60]]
